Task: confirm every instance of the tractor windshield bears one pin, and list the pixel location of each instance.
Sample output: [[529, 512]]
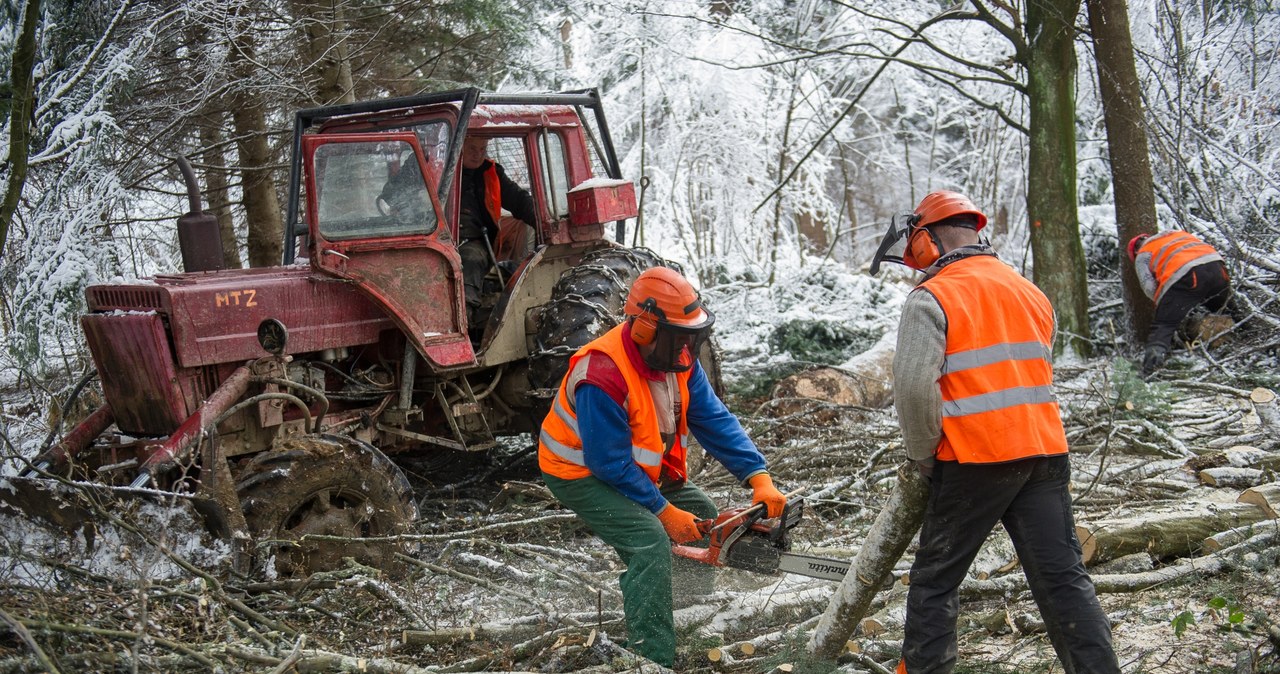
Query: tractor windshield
[[371, 189]]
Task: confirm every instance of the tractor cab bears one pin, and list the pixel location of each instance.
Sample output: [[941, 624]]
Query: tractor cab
[[380, 183]]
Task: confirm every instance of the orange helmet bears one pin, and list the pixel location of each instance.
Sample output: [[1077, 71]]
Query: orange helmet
[[943, 204], [667, 313]]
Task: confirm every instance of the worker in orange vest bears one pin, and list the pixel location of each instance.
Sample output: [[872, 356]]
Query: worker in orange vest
[[1179, 272], [613, 448], [973, 388]]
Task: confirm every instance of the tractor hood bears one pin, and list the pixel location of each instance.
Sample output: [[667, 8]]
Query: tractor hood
[[213, 317]]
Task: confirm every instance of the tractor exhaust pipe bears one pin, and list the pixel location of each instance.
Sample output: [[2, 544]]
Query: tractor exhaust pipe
[[199, 237]]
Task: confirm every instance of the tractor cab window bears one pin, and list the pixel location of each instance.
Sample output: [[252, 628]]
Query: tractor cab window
[[370, 190], [509, 152], [556, 189]]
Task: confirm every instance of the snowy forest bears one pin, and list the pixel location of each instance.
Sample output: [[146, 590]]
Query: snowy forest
[[770, 143]]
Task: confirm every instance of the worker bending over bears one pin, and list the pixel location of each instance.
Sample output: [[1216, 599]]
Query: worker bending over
[[1179, 272]]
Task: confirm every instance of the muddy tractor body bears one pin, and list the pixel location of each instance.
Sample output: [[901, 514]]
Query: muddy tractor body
[[280, 398]]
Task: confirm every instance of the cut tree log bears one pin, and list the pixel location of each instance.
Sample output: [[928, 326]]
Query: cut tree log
[[1268, 409], [1230, 537], [1178, 533], [887, 619], [1266, 497], [865, 381], [888, 538], [1262, 546], [1138, 562], [1230, 476]]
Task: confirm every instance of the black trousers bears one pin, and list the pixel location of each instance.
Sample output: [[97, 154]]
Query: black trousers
[[475, 264], [1204, 285], [1030, 497]]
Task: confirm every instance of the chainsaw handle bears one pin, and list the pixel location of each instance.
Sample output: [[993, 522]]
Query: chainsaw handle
[[754, 508]]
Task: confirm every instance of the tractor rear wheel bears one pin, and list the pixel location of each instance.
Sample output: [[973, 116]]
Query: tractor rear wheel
[[585, 303], [324, 485]]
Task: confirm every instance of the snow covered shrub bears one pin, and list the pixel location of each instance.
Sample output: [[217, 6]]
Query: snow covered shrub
[[823, 342], [821, 312]]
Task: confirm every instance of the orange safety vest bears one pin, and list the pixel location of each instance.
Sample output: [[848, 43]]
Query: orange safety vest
[[560, 448], [1172, 253], [493, 193], [997, 378]]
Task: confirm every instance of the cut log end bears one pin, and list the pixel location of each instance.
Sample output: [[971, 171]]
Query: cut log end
[[1088, 544], [1266, 497]]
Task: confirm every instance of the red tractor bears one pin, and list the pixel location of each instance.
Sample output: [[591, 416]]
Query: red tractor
[[276, 397]]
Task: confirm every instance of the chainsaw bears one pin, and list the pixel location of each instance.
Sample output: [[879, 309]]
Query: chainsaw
[[742, 538]]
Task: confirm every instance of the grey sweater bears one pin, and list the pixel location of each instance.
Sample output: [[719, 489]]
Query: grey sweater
[[917, 365]]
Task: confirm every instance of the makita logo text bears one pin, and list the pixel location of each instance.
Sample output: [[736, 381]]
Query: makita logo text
[[827, 568]]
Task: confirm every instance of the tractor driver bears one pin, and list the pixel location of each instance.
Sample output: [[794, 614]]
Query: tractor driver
[[485, 192], [613, 448]]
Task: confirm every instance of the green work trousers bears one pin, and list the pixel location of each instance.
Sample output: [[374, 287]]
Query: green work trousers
[[644, 547]]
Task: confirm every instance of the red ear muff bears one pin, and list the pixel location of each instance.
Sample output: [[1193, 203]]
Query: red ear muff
[[922, 251]]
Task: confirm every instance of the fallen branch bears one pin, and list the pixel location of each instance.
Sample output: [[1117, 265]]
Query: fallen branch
[[889, 537], [29, 640]]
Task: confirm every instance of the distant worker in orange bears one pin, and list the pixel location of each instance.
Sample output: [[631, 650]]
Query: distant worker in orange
[[973, 388], [613, 447], [1179, 272]]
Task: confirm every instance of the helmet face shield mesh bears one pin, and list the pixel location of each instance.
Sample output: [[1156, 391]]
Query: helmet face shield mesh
[[675, 347], [894, 244]]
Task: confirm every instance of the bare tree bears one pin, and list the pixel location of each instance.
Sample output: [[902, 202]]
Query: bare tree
[[1131, 177], [249, 115], [22, 105], [1050, 58]]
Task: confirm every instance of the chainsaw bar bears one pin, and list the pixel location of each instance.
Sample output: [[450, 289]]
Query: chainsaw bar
[[814, 567]]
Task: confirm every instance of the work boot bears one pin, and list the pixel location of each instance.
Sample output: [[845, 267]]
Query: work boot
[[1153, 359]]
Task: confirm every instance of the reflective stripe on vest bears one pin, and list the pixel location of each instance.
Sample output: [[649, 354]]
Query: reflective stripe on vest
[[560, 445], [1172, 253], [997, 376]]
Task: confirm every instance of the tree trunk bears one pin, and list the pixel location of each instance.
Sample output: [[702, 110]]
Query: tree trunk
[[1051, 182], [324, 46], [262, 208], [1162, 534], [892, 531], [215, 189], [22, 102], [1127, 146]]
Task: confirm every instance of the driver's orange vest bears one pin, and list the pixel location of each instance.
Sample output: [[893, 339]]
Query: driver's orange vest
[[493, 193], [560, 447], [1171, 252], [997, 378]]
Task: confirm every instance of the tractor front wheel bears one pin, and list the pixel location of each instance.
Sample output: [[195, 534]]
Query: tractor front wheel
[[329, 486]]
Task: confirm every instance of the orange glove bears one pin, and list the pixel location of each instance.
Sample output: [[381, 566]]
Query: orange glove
[[766, 493], [681, 525]]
